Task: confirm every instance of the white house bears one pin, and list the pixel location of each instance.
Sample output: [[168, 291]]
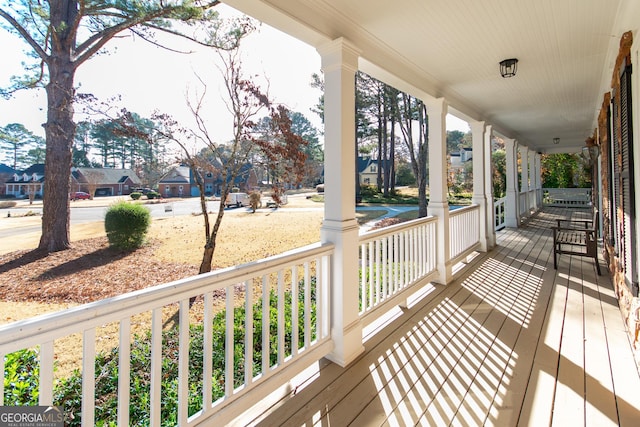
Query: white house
[[22, 183]]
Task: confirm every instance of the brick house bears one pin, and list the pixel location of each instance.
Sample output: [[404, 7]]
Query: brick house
[[104, 181], [613, 145], [176, 182], [180, 182]]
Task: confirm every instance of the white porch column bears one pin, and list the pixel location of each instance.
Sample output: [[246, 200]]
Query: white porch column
[[533, 186], [539, 180], [438, 205], [524, 161], [480, 175], [512, 205], [339, 64], [488, 192]]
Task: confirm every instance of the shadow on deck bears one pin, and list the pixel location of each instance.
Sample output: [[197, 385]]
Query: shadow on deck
[[510, 342]]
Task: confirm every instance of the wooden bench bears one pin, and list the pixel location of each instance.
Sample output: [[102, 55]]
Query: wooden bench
[[576, 237]]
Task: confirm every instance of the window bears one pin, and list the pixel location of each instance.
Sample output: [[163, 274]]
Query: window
[[622, 210], [627, 186]]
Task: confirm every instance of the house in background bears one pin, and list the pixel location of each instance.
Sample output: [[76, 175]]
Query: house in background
[[180, 182], [368, 170], [176, 182], [21, 184], [460, 158], [6, 173], [104, 181]]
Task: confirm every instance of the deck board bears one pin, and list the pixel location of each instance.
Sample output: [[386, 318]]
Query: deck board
[[600, 405], [569, 402], [510, 342]]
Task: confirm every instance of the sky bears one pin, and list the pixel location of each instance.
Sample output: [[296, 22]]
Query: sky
[[150, 78]]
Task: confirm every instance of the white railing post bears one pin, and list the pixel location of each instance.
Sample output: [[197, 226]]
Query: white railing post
[[339, 64], [512, 205], [498, 211], [438, 205], [479, 177]]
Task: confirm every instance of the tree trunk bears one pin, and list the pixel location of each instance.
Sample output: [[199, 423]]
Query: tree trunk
[[207, 258], [421, 176], [59, 130], [392, 156], [210, 246]]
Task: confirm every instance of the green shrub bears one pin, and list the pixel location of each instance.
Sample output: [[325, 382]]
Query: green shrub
[[21, 374], [135, 195], [68, 391], [153, 195], [22, 367], [126, 225], [368, 191]]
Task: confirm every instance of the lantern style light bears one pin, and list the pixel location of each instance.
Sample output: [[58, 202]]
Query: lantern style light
[[508, 67], [556, 141]]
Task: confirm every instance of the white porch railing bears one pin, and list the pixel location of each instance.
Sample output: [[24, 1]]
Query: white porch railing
[[523, 204], [255, 302], [299, 277], [393, 260], [539, 196], [531, 199], [567, 197], [499, 209], [464, 232]]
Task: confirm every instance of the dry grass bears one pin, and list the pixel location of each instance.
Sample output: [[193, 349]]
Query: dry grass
[[243, 237]]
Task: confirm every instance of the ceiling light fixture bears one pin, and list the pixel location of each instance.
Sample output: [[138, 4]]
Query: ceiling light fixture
[[508, 67], [556, 141]]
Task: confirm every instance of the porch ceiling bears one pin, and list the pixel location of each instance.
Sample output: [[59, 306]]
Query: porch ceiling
[[451, 48]]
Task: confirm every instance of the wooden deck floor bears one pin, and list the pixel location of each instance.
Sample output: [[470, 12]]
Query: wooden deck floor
[[510, 342]]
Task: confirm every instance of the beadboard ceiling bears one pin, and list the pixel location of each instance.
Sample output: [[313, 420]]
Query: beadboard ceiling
[[451, 49]]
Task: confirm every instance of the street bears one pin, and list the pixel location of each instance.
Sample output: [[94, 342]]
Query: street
[[86, 211]]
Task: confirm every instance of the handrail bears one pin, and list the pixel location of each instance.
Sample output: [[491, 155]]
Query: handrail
[[393, 261], [499, 209], [302, 272], [21, 334], [464, 231]]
